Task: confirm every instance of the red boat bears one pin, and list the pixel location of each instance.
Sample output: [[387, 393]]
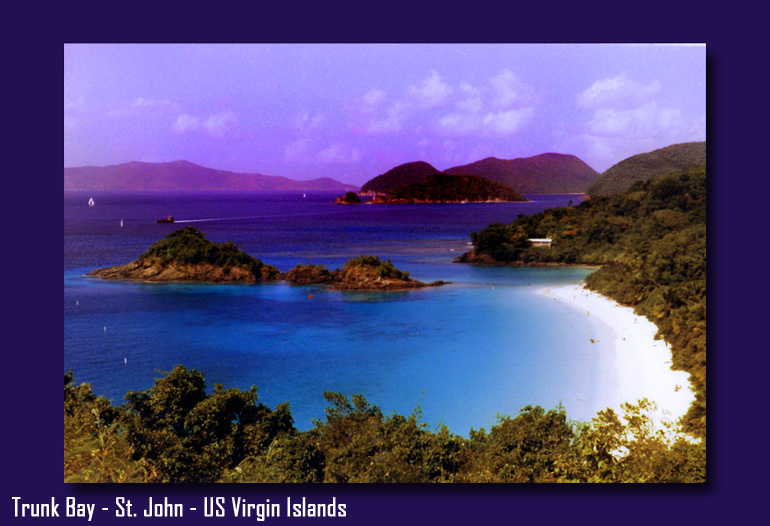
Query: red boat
[[169, 219]]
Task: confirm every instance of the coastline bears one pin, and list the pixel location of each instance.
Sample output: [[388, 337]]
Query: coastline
[[641, 363]]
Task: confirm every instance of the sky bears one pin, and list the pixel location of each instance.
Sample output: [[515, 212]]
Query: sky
[[354, 111]]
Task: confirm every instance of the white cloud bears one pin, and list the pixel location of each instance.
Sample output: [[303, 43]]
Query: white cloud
[[460, 123], [646, 120], [305, 122], [509, 90], [617, 92], [220, 123], [141, 101], [471, 101], [374, 97], [502, 106], [339, 153], [217, 125], [186, 122], [431, 92], [508, 122], [391, 121]]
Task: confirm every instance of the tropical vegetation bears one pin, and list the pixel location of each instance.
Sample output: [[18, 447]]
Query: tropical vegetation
[[440, 188], [176, 431]]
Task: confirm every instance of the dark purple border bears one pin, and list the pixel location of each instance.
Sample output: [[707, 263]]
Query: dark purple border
[[32, 431]]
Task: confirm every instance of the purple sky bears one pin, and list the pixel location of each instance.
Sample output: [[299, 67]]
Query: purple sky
[[352, 112]]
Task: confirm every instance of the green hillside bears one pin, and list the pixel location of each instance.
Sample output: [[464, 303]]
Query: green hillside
[[441, 188], [401, 175], [548, 173], [621, 176]]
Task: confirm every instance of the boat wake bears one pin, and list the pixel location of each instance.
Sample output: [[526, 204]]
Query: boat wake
[[250, 217]]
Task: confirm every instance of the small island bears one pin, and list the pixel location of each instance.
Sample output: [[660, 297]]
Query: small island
[[361, 273], [350, 198], [186, 255], [443, 188]]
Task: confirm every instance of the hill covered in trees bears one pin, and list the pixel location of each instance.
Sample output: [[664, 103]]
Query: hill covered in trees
[[548, 173], [186, 255], [621, 176], [442, 188], [177, 431], [408, 173], [651, 244]]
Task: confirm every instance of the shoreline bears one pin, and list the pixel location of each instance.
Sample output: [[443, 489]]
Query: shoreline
[[641, 363]]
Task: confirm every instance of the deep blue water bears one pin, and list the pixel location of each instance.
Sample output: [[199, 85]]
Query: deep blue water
[[484, 345]]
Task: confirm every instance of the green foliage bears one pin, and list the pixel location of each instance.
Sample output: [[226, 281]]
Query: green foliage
[[527, 448], [175, 432], [645, 166], [651, 244], [309, 274], [438, 188], [401, 175], [187, 435], [95, 446], [190, 246], [350, 198], [383, 269]]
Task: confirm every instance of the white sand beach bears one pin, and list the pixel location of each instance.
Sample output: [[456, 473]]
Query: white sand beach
[[642, 363]]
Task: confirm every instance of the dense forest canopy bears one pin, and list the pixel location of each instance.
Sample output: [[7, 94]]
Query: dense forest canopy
[[176, 431], [440, 188]]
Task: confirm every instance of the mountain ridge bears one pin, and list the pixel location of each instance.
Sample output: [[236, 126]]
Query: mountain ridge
[[547, 173], [182, 175]]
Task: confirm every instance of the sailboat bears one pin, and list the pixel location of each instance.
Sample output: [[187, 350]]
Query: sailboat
[[91, 201], [121, 223], [303, 194]]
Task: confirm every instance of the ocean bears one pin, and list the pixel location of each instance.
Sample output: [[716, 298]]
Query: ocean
[[487, 344]]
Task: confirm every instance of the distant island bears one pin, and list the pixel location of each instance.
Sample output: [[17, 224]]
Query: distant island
[[403, 174], [187, 176], [442, 188], [362, 273], [548, 173], [187, 256]]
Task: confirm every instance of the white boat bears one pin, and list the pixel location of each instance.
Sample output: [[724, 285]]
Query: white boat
[[91, 201], [303, 195], [121, 223]]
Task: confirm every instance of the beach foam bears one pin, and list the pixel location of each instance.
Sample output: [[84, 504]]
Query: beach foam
[[641, 363]]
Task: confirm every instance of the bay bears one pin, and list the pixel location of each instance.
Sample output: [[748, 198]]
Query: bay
[[484, 345]]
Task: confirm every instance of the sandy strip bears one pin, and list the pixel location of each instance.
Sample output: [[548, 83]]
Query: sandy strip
[[642, 363]]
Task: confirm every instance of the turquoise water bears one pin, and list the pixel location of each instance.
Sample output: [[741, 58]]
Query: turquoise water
[[483, 345]]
